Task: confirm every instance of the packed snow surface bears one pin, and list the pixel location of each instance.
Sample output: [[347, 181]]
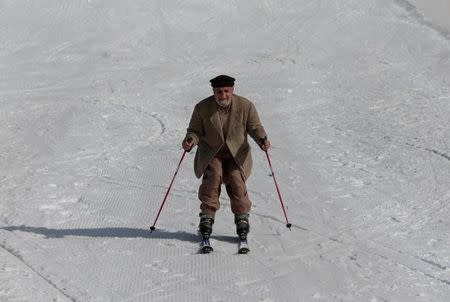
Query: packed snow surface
[[436, 12], [95, 99]]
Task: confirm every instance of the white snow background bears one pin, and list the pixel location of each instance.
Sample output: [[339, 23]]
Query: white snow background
[[95, 99]]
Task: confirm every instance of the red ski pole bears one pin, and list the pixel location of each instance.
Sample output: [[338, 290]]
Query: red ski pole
[[152, 228], [288, 225]]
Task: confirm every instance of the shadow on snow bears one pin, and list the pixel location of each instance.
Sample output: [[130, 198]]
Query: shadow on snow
[[112, 232], [115, 232]]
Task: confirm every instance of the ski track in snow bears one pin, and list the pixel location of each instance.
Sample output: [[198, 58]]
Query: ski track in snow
[[96, 97], [39, 288]]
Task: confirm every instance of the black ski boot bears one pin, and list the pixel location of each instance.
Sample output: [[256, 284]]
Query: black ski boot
[[205, 226], [242, 225]]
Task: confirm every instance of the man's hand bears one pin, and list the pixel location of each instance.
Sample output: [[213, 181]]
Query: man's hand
[[264, 144], [188, 144]]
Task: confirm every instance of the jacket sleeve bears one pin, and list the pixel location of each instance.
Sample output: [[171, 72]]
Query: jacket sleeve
[[195, 128], [254, 126]]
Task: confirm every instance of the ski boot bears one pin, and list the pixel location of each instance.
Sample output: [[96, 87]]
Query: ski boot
[[242, 225], [205, 230], [205, 226]]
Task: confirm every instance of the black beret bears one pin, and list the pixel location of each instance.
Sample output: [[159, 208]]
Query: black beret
[[222, 81]]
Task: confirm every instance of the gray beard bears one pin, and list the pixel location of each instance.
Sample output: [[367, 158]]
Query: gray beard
[[224, 103]]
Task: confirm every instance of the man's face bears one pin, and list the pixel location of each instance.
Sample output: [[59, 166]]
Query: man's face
[[223, 95]]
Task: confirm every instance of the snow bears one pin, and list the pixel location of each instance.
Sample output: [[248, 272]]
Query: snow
[[95, 99], [434, 11]]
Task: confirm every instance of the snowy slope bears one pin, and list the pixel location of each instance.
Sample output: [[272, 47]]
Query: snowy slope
[[95, 98], [435, 12]]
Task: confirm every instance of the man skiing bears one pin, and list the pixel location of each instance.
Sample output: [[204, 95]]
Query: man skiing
[[219, 127]]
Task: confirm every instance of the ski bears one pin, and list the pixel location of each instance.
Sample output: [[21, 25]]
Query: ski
[[243, 246], [205, 246]]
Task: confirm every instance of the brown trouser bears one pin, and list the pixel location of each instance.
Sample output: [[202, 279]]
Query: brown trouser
[[223, 170]]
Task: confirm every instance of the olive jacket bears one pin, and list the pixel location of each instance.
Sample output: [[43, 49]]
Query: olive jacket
[[205, 130]]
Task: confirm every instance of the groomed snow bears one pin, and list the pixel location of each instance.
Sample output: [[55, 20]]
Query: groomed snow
[[95, 98]]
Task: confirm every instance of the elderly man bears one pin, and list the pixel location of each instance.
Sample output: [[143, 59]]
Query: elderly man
[[219, 126]]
